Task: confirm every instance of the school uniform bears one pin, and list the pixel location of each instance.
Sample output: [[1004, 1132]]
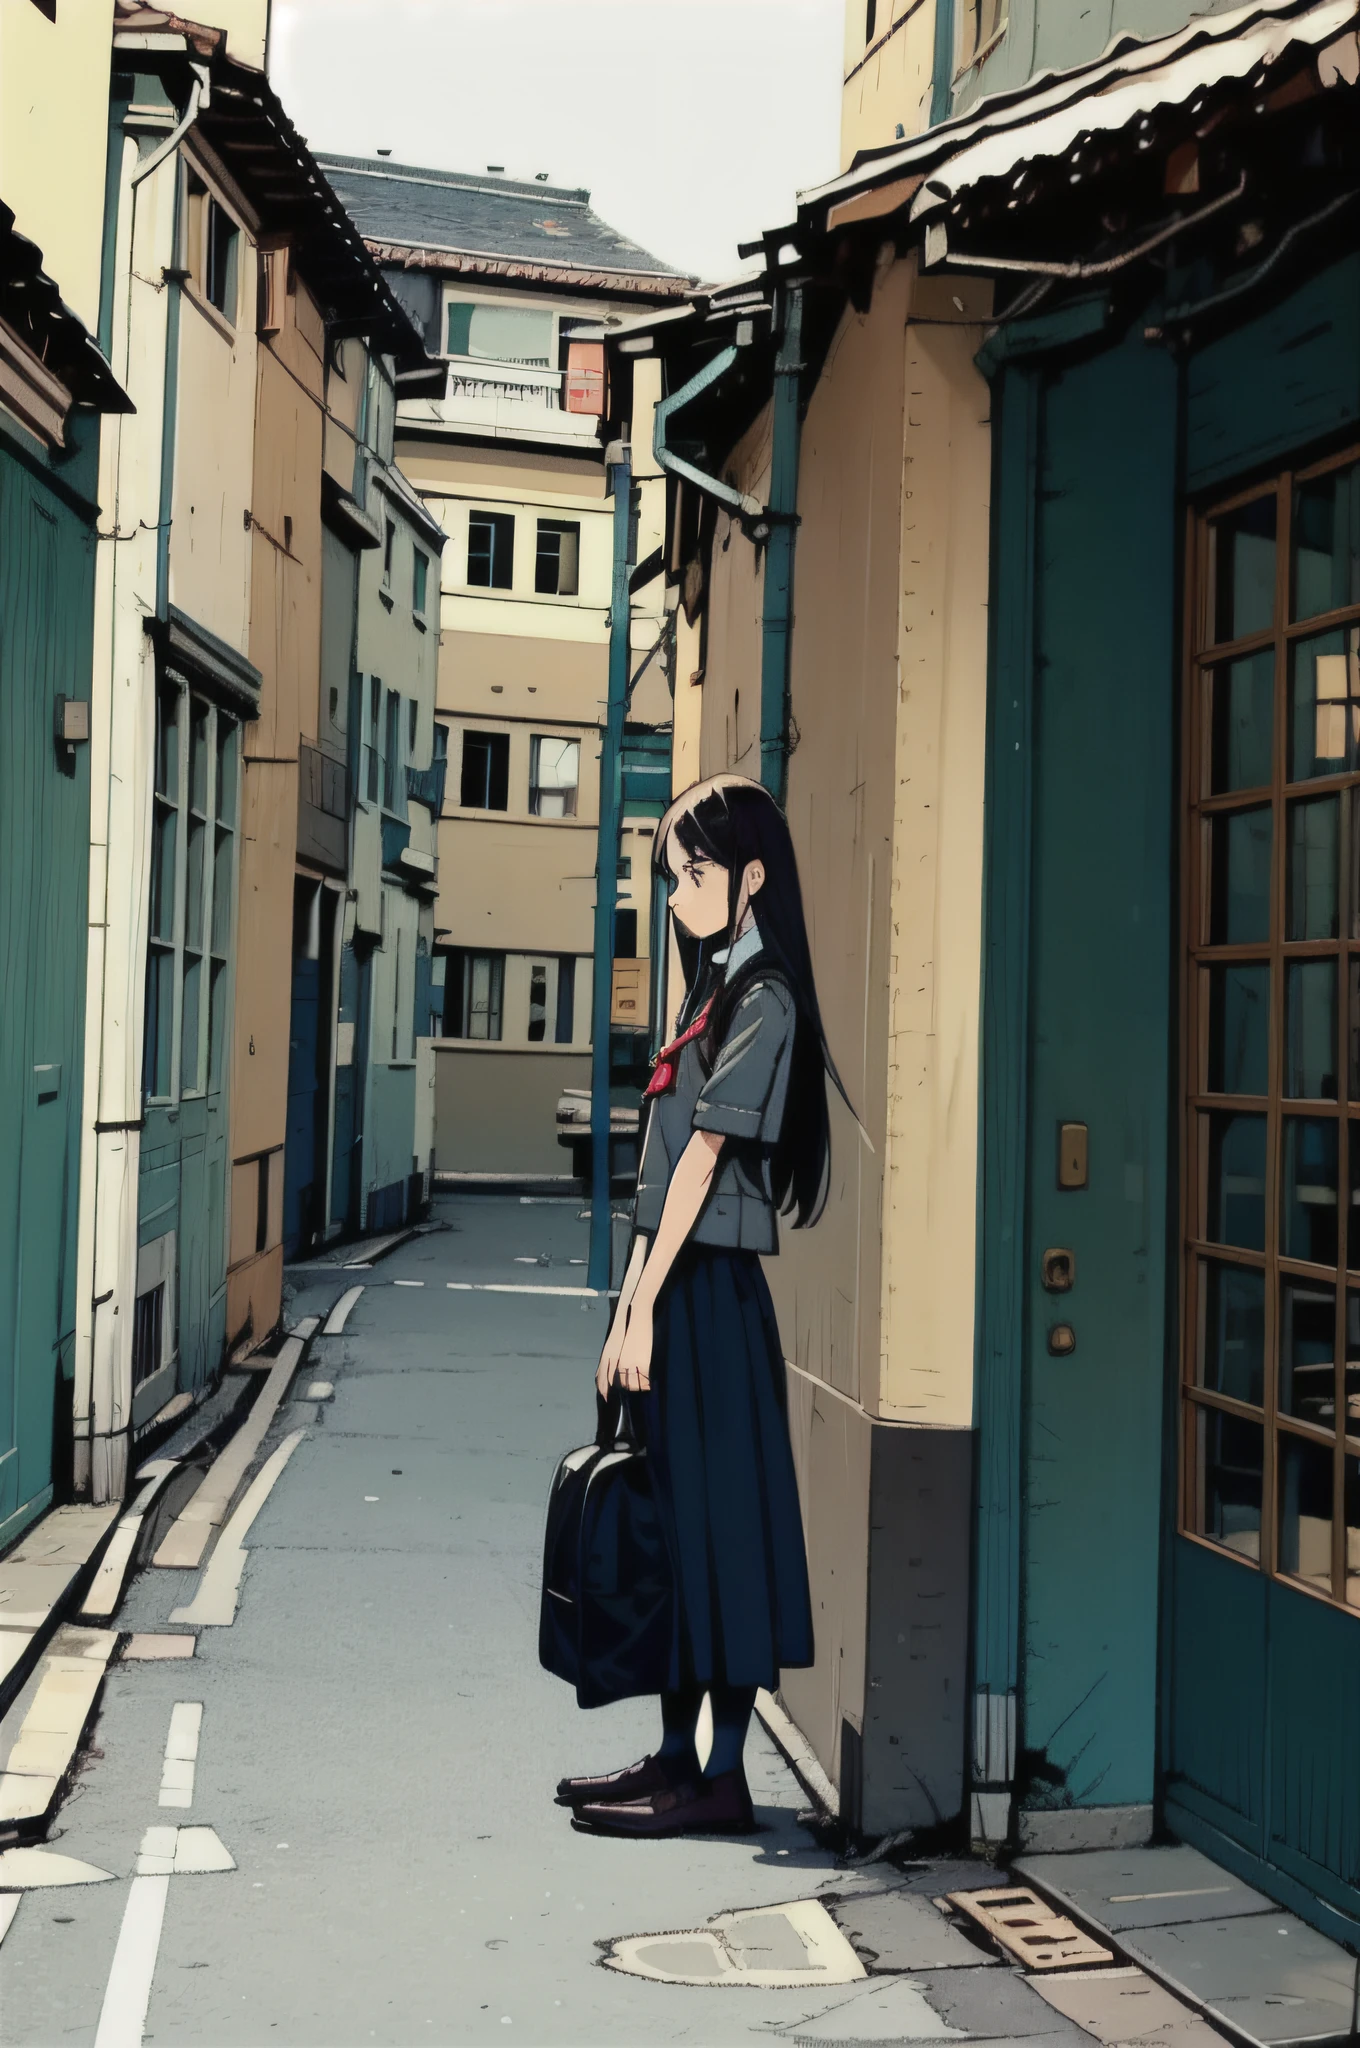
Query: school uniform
[[715, 1420]]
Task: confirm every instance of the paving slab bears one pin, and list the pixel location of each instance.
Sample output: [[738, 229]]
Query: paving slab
[[900, 1930], [1126, 2007], [881, 2014], [1117, 1889], [993, 2004], [1268, 1977]]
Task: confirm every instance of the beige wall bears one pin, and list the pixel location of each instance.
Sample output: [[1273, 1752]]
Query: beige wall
[[522, 887], [54, 126], [213, 552], [498, 676], [495, 1111], [285, 645], [887, 81], [888, 690]]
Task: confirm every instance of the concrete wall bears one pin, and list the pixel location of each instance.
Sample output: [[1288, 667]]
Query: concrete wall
[[495, 1110]]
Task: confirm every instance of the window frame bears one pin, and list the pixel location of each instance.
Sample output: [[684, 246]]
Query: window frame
[[1204, 654], [213, 954], [501, 742], [557, 529], [498, 521], [538, 790]]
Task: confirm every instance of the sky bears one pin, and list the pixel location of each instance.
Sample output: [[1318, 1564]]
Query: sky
[[693, 123]]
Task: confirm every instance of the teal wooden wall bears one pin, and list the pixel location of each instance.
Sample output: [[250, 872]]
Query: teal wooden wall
[[1102, 936], [46, 617]]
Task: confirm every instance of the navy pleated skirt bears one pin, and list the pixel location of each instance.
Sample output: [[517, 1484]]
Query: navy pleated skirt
[[717, 1434]]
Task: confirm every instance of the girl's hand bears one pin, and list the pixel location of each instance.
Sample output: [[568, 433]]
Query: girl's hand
[[633, 1365], [608, 1367]]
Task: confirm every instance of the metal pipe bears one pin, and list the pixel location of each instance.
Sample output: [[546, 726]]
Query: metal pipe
[[200, 92], [607, 867], [712, 372], [777, 622]]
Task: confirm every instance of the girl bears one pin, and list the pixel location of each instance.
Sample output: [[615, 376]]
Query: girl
[[737, 1130]]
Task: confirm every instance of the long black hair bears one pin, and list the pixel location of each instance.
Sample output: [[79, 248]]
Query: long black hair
[[732, 822]]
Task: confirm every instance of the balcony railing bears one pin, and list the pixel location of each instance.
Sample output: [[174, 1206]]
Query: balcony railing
[[530, 386], [426, 785]]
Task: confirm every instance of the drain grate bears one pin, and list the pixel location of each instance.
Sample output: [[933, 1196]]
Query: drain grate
[[1026, 1926]]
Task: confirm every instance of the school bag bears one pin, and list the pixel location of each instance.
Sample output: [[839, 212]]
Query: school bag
[[605, 1621]]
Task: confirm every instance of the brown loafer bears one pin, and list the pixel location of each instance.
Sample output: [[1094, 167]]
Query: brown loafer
[[637, 1781], [705, 1806]]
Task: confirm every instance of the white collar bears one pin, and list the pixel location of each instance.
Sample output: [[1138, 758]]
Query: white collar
[[730, 958]]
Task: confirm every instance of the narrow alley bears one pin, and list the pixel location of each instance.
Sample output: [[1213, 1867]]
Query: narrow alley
[[378, 1747]]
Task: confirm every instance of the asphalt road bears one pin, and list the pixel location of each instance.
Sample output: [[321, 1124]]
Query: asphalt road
[[379, 1746]]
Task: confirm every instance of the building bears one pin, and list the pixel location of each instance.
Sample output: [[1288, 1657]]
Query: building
[[54, 386], [360, 1099], [500, 275], [225, 258], [1070, 719]]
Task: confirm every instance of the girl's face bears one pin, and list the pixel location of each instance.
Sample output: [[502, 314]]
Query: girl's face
[[698, 898]]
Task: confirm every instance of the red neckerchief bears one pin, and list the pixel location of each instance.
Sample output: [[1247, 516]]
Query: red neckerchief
[[667, 1060]]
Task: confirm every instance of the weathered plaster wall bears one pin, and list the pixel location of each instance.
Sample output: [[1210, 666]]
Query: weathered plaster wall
[[495, 1111], [54, 125], [888, 77]]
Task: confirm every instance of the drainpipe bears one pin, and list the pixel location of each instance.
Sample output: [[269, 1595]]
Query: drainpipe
[[942, 66], [712, 373], [620, 466], [781, 519]]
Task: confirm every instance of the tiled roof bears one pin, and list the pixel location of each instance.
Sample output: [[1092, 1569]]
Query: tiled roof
[[550, 227]]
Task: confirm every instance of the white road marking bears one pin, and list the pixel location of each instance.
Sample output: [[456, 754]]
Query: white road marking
[[214, 1605], [408, 1283], [339, 1315], [515, 1287], [181, 1754], [320, 1390], [306, 1328], [358, 1265], [122, 2018], [145, 1647]]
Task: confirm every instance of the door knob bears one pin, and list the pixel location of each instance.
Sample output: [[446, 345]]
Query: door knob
[[1058, 1269]]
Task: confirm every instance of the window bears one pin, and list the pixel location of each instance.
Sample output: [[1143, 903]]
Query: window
[[371, 782], [389, 546], [566, 998], [222, 255], [148, 1334], [502, 334], [486, 771], [412, 725], [557, 566], [538, 1001], [191, 909], [420, 571], [474, 993], [980, 23], [392, 751], [554, 771], [1271, 1354], [625, 933], [491, 550]]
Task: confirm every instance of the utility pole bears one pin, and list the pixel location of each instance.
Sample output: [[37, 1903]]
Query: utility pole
[[619, 461]]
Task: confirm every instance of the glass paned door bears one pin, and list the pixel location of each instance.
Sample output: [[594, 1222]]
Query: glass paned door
[[1271, 1402]]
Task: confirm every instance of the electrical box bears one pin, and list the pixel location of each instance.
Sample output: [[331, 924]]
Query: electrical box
[[1072, 1156]]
